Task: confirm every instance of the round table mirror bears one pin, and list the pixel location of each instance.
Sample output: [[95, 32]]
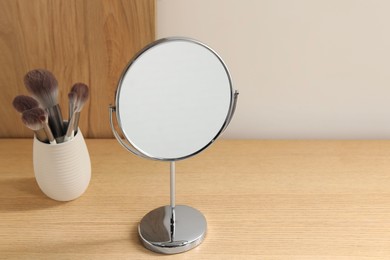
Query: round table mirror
[[174, 98]]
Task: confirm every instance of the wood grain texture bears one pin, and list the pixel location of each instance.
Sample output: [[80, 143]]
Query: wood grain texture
[[261, 199], [88, 41]]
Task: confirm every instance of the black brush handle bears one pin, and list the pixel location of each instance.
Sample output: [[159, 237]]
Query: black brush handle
[[55, 121]]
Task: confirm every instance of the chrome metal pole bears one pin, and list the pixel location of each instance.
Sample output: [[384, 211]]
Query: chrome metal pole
[[173, 202], [172, 181]]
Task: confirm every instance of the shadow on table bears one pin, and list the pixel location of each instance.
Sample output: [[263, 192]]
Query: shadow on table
[[85, 246], [23, 194]]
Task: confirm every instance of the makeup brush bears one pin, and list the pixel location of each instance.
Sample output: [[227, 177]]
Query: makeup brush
[[44, 87], [45, 121], [72, 100], [37, 120], [22, 103], [70, 130], [81, 94]]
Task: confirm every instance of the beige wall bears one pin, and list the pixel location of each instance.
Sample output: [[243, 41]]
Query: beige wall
[[305, 68]]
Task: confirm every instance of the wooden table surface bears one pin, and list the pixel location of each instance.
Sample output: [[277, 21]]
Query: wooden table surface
[[262, 200]]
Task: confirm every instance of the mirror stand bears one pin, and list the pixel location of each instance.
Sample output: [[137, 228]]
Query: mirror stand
[[172, 229], [174, 98], [169, 229]]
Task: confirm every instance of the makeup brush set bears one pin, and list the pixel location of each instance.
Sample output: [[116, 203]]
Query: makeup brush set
[[41, 111]]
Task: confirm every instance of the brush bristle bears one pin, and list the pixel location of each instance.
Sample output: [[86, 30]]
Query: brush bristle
[[34, 118], [43, 86], [22, 103], [72, 98], [82, 93]]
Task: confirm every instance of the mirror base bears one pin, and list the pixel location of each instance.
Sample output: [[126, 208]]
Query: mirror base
[[174, 230]]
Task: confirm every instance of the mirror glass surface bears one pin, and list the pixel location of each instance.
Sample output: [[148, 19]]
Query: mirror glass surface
[[174, 99]]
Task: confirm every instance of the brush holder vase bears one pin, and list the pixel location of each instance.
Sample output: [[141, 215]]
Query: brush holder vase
[[63, 170]]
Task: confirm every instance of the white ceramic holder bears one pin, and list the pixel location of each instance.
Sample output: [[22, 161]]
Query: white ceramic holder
[[63, 170]]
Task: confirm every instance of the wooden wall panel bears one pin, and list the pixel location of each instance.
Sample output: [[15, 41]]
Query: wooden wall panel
[[87, 41]]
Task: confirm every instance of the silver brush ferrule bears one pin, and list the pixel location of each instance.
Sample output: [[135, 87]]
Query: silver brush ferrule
[[76, 122]]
